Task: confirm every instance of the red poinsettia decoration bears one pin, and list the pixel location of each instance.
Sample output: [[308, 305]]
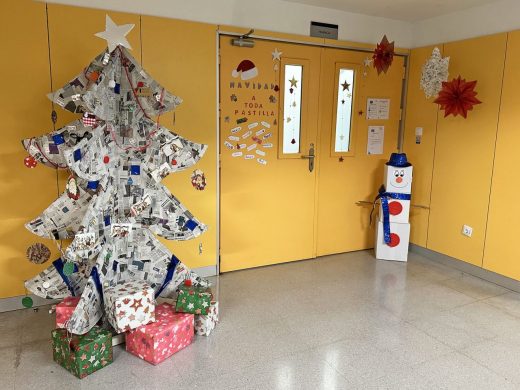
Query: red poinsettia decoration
[[457, 97], [383, 55]]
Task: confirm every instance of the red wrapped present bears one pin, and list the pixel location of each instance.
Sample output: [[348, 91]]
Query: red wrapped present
[[157, 341], [64, 311]]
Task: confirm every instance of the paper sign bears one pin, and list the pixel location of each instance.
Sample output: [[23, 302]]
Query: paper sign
[[378, 109], [376, 138], [249, 156], [265, 124], [260, 132], [233, 138], [260, 152], [268, 145], [237, 154], [236, 129], [248, 134], [252, 125], [251, 147], [228, 145], [261, 161]]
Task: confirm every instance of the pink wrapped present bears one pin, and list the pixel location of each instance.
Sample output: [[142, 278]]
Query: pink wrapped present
[[170, 333], [64, 310]]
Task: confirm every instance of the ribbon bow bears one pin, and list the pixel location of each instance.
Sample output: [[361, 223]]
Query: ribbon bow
[[383, 195]]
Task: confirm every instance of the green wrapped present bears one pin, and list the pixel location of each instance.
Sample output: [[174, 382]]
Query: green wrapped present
[[194, 300], [82, 354]]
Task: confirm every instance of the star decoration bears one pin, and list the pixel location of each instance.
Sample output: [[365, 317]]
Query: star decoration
[[227, 119], [92, 358], [360, 112], [293, 82], [345, 86], [367, 62], [341, 159], [137, 304], [276, 54], [434, 73], [115, 35], [457, 97], [383, 55], [190, 306], [83, 357]]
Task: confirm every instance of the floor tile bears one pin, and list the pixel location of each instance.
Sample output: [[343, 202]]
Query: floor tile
[[474, 287]]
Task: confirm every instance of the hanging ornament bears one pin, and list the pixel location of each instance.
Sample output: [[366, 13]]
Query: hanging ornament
[[198, 180], [72, 188], [30, 162], [383, 55], [457, 97], [293, 141], [38, 253], [276, 55], [434, 73]]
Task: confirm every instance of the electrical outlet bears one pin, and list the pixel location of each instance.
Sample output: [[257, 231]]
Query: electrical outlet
[[467, 230]]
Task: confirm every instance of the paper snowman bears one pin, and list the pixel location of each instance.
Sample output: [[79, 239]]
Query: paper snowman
[[396, 200]]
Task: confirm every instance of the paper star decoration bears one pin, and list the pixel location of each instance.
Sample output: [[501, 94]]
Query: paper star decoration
[[277, 54], [383, 55], [345, 86], [367, 62], [293, 82], [434, 73], [115, 35], [457, 97]]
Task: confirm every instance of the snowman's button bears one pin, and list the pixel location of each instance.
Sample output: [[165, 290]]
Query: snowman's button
[[394, 240], [395, 208], [46, 285]]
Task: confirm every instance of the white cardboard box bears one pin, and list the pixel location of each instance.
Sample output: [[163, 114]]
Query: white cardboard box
[[398, 179], [399, 211], [400, 238]]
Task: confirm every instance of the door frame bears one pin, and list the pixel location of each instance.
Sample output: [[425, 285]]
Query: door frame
[[232, 34]]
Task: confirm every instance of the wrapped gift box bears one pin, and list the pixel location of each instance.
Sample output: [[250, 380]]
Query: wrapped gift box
[[64, 310], [156, 342], [82, 354], [129, 305], [195, 300], [205, 323]]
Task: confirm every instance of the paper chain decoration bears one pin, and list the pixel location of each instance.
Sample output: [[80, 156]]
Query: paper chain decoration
[[383, 55], [457, 97], [117, 155], [434, 73]]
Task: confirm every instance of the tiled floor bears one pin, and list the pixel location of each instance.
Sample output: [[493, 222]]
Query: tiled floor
[[338, 322]]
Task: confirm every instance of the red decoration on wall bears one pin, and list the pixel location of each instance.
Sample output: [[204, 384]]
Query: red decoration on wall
[[457, 97], [383, 55]]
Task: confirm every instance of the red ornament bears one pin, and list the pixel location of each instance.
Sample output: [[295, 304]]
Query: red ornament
[[394, 240], [383, 55], [174, 162], [395, 208], [106, 159], [188, 282], [30, 162], [457, 97]]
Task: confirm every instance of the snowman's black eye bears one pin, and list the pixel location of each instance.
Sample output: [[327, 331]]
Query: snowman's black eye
[[401, 173], [396, 173]]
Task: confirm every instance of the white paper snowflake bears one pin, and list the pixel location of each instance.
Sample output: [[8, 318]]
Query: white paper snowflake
[[434, 72]]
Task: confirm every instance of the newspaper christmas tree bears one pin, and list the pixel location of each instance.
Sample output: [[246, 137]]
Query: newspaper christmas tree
[[114, 203]]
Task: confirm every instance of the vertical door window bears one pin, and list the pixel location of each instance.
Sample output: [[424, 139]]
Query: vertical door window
[[292, 108], [344, 104]]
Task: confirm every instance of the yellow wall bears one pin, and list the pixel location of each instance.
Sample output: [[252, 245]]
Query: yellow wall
[[502, 252], [184, 66], [470, 163], [420, 113]]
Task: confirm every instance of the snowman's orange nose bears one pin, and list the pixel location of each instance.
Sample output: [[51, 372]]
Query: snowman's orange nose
[[399, 179]]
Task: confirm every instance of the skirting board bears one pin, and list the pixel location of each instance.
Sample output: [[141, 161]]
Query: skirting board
[[471, 269], [15, 303]]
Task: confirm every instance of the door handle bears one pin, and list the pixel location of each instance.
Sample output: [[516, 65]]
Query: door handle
[[310, 157]]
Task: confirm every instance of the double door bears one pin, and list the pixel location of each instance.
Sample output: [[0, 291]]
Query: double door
[[294, 158]]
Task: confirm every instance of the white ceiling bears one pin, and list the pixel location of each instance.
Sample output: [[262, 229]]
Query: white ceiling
[[407, 10]]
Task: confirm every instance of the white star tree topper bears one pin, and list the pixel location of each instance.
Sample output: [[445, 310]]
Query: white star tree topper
[[115, 35]]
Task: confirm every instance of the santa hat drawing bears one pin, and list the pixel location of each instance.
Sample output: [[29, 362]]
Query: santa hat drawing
[[246, 70]]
